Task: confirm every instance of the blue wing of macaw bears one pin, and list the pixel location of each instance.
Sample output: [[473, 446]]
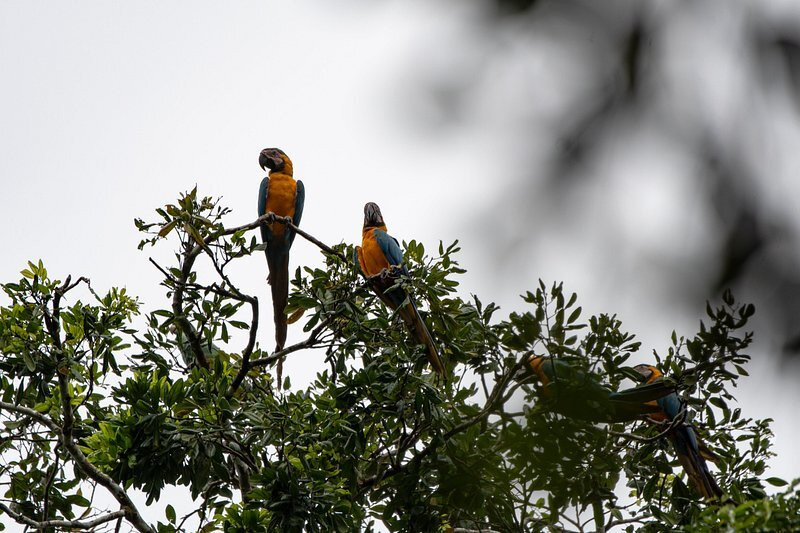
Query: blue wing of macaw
[[262, 208], [391, 249], [689, 450], [299, 202], [394, 255], [670, 404], [687, 441]]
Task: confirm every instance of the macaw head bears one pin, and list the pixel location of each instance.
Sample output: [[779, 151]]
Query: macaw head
[[649, 372], [535, 362], [372, 215], [274, 159]]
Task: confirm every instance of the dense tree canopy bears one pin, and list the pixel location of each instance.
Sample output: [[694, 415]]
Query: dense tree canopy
[[96, 397]]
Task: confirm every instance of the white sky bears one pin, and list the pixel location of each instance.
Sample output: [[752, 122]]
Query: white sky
[[109, 109]]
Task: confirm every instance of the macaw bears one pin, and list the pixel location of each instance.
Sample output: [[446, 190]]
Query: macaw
[[691, 451], [577, 395], [381, 260], [279, 193]]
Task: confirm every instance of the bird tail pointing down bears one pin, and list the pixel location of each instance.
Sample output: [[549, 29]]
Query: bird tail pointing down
[[414, 321], [279, 284]]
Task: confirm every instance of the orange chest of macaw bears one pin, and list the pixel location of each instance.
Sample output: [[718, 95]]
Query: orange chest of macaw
[[378, 251], [692, 452], [381, 260], [279, 193], [280, 198]]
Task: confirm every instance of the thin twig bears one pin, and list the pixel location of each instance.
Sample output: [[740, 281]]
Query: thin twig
[[49, 484], [621, 521], [271, 217], [310, 341]]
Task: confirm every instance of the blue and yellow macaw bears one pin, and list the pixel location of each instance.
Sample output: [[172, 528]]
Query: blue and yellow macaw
[[691, 451], [279, 193], [381, 260], [576, 394]]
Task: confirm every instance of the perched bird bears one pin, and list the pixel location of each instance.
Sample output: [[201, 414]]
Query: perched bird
[[691, 451], [279, 193], [381, 260], [576, 394]]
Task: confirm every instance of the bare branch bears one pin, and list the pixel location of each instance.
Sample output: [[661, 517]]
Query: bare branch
[[66, 524], [271, 217], [309, 342], [35, 415]]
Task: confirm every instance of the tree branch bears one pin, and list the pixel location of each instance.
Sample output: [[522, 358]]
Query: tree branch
[[66, 524], [615, 523], [272, 217], [35, 415], [65, 430], [491, 403], [309, 342], [599, 516]]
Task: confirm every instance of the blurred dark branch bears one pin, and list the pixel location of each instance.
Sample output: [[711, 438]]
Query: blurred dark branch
[[623, 521], [599, 516]]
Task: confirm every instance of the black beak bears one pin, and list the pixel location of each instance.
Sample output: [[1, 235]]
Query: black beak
[[264, 161]]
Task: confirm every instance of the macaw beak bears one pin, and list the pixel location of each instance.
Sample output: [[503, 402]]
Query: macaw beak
[[264, 160], [372, 215]]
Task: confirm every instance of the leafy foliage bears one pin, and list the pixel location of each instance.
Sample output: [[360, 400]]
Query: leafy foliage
[[188, 399]]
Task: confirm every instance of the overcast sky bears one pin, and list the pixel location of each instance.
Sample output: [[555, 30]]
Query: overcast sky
[[110, 109]]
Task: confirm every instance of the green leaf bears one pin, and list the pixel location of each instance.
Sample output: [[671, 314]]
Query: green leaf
[[29, 363], [164, 231], [776, 481], [294, 317], [195, 234], [170, 513]]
